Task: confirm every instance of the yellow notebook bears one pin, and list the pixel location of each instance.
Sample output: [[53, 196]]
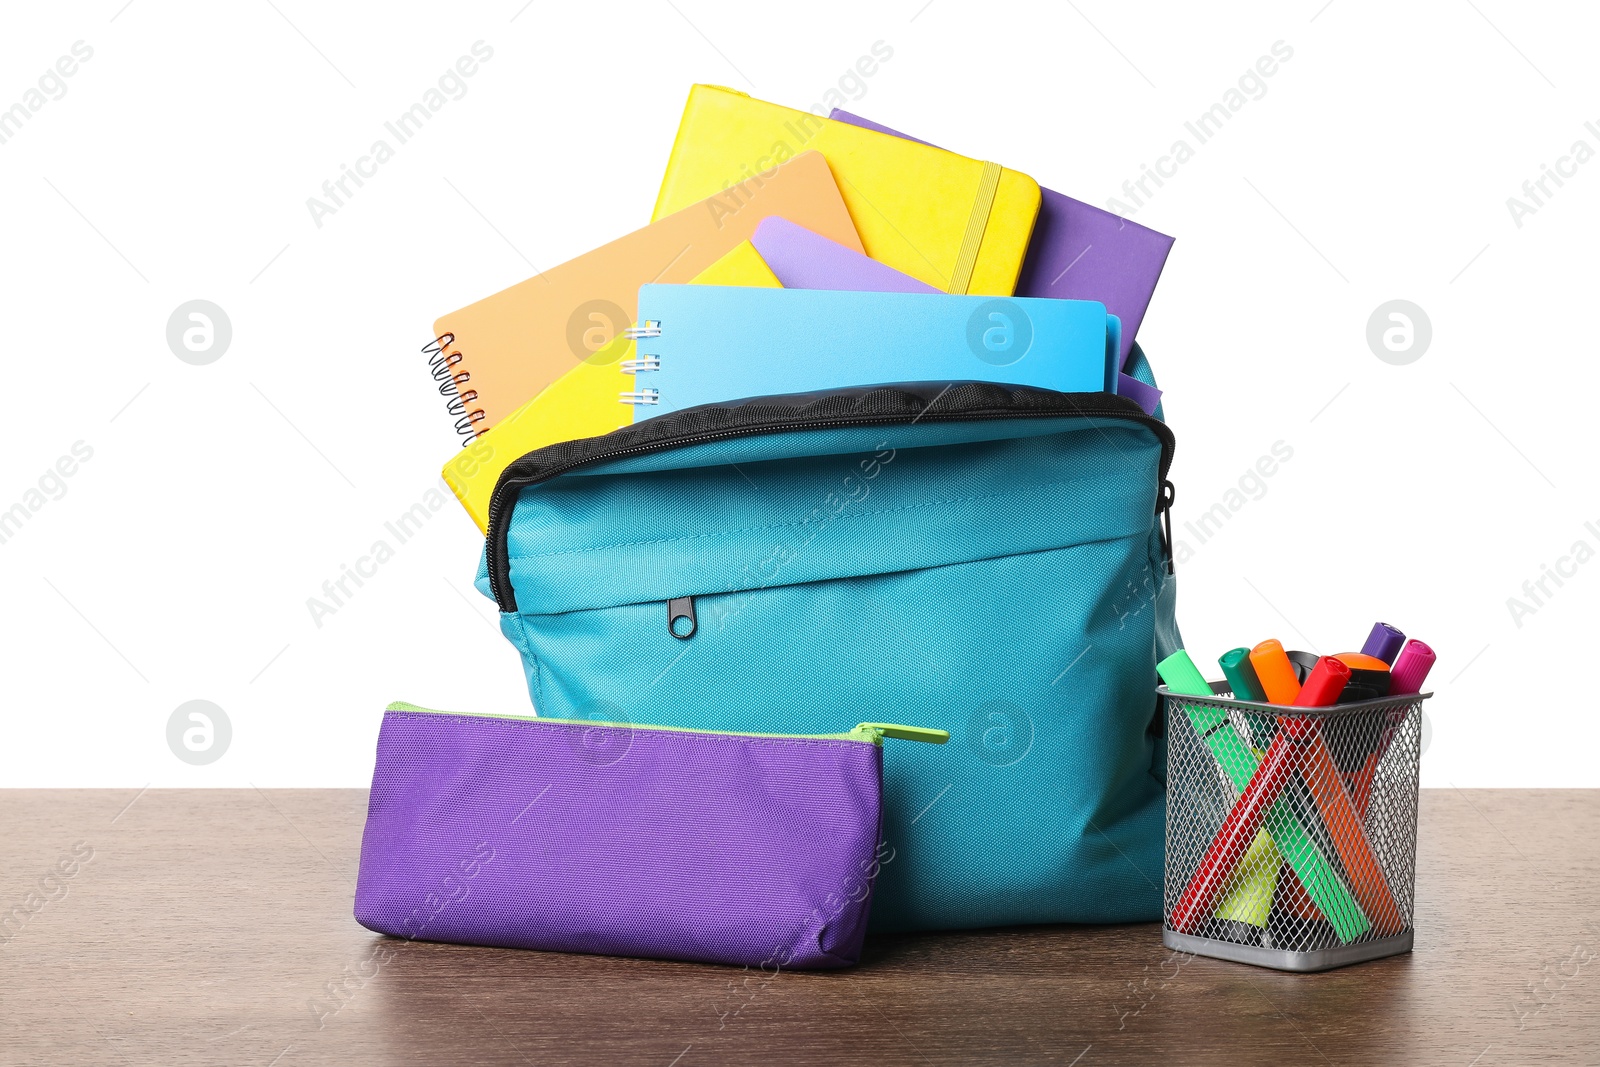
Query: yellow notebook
[[581, 403], [956, 223]]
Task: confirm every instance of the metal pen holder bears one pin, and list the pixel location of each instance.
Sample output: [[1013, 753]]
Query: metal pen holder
[[1291, 832]]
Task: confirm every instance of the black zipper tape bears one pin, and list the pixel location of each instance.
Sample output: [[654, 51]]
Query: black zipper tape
[[876, 405]]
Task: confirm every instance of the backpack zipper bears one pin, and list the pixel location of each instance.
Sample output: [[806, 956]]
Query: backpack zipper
[[1083, 405], [869, 732], [681, 607]]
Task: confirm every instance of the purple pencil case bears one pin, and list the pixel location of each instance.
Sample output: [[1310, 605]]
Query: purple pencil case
[[624, 840]]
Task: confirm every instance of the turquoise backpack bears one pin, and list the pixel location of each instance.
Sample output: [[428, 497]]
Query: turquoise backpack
[[984, 559]]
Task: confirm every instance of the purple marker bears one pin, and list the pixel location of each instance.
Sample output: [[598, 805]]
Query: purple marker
[[1383, 642]]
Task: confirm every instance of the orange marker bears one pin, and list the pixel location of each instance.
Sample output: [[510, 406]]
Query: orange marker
[[1344, 825], [1277, 675]]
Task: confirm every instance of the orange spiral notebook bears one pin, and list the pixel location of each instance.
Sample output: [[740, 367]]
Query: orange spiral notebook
[[581, 403], [493, 356]]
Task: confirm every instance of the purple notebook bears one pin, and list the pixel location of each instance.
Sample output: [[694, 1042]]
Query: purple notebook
[[1081, 252], [802, 259]]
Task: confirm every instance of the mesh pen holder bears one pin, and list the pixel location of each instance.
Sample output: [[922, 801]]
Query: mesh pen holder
[[1291, 832]]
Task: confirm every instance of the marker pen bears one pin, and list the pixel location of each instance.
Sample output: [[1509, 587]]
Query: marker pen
[[1384, 642], [1244, 685], [1277, 675], [1304, 663], [1360, 661], [1412, 668]]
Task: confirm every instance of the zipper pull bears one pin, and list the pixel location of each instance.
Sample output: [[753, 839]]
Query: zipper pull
[[1164, 502], [880, 730], [681, 609]]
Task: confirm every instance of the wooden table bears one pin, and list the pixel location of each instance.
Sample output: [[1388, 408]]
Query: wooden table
[[194, 926]]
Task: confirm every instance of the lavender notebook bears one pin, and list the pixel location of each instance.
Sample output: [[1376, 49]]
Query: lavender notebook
[[804, 260], [1081, 252]]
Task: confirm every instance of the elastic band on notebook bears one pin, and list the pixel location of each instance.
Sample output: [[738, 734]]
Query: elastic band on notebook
[[977, 223]]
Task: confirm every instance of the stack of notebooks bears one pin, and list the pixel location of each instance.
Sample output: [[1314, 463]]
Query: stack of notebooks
[[869, 256]]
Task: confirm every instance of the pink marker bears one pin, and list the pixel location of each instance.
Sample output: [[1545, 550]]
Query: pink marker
[[1411, 669]]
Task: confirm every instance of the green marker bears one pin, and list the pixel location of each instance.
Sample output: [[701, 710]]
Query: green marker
[[1245, 685], [1182, 676], [1239, 762]]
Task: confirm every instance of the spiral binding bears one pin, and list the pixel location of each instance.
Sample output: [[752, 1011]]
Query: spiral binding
[[440, 363], [642, 363]]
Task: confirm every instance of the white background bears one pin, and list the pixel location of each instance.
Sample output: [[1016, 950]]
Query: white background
[[177, 166]]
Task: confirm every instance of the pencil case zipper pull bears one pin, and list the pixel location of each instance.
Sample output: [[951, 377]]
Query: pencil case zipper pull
[[877, 731]]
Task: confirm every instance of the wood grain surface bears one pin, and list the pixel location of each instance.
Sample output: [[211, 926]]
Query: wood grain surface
[[214, 927]]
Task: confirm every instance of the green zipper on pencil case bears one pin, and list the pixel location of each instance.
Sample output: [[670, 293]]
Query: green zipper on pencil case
[[871, 733]]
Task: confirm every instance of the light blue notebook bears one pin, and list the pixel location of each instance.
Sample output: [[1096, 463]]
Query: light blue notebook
[[703, 344]]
